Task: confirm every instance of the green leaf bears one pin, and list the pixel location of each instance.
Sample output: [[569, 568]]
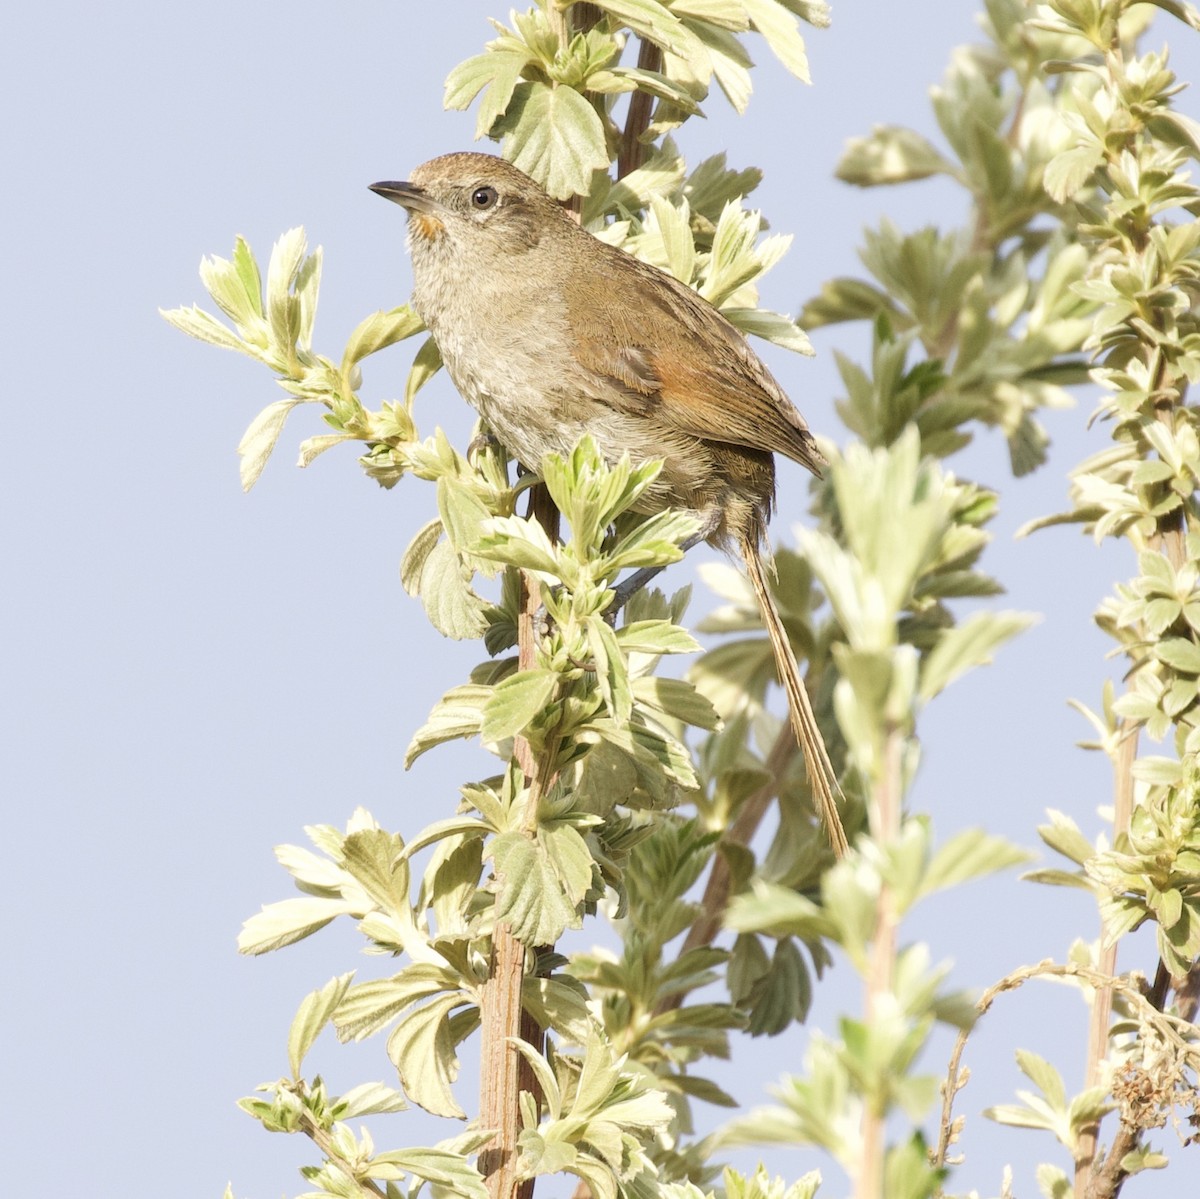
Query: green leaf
[[412, 565], [674, 227], [291, 920], [655, 23], [459, 713], [426, 363], [730, 64], [314, 1013], [379, 330], [375, 860], [676, 698], [464, 825], [628, 79], [1045, 1077], [197, 323], [568, 853], [1053, 1182], [782, 34], [1020, 1117], [777, 911], [1180, 654], [655, 542], [702, 1088], [1144, 1157], [247, 272], [726, 14], [452, 606], [558, 1005], [516, 702], [308, 284], [531, 899], [845, 299], [372, 1005], [966, 646], [612, 676], [554, 135], [968, 855], [783, 994], [447, 1172], [771, 326], [463, 513], [516, 541], [498, 71], [368, 1099], [283, 308], [891, 154], [259, 439], [1056, 878], [421, 1047], [656, 637], [1068, 172], [312, 448], [224, 283], [1062, 834]]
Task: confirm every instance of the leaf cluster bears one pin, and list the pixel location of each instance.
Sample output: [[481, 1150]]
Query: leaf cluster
[[550, 100]]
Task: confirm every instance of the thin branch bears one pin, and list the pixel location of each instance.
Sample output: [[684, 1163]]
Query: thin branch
[[1175, 1032], [324, 1142], [1100, 1018], [1108, 1179], [710, 918], [885, 829], [637, 119]]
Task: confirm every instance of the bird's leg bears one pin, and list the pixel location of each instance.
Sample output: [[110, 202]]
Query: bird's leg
[[710, 521], [482, 441]]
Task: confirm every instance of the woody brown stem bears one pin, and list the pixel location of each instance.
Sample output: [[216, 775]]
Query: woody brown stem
[[741, 831], [502, 1069], [637, 119], [504, 1073]]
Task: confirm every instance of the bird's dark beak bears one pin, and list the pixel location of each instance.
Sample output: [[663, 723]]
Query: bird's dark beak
[[407, 195]]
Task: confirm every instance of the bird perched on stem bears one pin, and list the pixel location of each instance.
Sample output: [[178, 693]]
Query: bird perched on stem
[[550, 334]]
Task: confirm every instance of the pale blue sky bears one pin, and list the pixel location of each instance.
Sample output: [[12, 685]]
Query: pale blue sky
[[193, 674]]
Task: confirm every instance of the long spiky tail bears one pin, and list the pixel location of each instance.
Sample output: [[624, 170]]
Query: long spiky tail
[[804, 723]]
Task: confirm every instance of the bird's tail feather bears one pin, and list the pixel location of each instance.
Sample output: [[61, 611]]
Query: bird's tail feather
[[804, 722]]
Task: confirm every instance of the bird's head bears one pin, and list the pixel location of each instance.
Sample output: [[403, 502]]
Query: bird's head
[[469, 202]]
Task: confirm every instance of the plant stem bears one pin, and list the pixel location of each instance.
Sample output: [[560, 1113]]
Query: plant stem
[[501, 1066], [637, 119], [504, 1073], [1104, 1180], [885, 828], [324, 1142], [1174, 1031], [741, 831], [1101, 1014]]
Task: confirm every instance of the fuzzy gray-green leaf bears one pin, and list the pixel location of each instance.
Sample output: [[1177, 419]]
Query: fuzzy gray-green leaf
[[459, 713], [554, 135], [531, 899], [516, 702], [422, 1049], [314, 1013]]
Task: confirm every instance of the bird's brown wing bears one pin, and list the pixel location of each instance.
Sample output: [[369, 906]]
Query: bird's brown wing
[[673, 357]]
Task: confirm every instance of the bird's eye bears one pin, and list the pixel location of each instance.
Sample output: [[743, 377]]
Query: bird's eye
[[484, 198]]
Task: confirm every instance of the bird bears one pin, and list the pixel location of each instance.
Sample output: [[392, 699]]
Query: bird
[[552, 334]]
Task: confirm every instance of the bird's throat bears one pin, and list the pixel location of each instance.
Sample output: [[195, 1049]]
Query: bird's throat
[[426, 226]]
